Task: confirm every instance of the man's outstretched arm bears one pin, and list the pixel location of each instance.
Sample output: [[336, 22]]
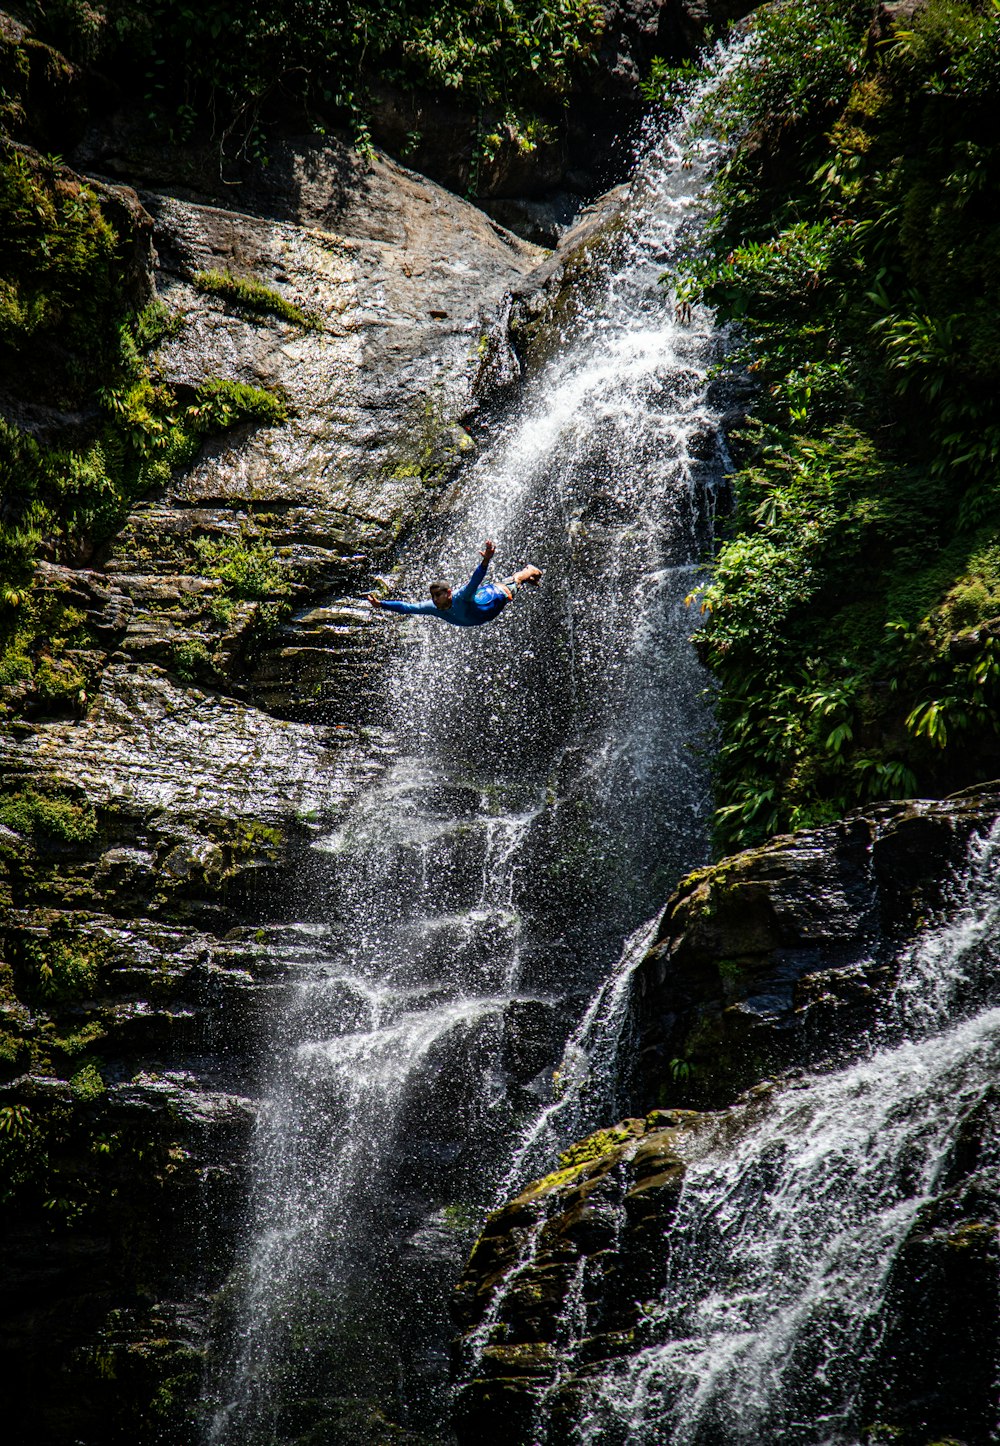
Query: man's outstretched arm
[[392, 606], [477, 578]]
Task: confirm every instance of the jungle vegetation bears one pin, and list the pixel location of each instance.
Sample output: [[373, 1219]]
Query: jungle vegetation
[[226, 70], [852, 616]]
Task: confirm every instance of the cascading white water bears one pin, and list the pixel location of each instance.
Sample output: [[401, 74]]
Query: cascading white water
[[543, 798], [794, 1209], [590, 1071]]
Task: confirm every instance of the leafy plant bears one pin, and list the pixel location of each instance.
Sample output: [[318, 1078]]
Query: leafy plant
[[216, 70], [852, 616], [248, 566]]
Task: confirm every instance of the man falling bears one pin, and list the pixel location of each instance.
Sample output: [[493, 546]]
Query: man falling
[[477, 602]]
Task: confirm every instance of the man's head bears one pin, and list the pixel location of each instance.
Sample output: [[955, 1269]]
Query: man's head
[[441, 595]]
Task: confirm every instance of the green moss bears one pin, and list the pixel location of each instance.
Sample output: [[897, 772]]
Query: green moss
[[435, 446], [974, 1235], [39, 631], [464, 1219], [88, 1082], [553, 1181], [250, 836], [79, 1040], [601, 1142], [61, 300], [59, 681], [222, 609], [249, 294], [14, 1053], [48, 816]]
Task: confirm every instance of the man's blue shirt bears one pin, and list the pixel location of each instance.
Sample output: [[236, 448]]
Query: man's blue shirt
[[477, 602]]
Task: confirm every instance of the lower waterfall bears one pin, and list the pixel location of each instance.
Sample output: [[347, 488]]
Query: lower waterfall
[[795, 1205], [545, 790]]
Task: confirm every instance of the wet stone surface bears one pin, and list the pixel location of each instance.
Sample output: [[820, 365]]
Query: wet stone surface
[[160, 891]]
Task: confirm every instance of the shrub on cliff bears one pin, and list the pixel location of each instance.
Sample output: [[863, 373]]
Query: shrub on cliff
[[853, 617]]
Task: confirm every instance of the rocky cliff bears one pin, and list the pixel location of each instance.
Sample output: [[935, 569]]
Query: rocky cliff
[[158, 810], [772, 963]]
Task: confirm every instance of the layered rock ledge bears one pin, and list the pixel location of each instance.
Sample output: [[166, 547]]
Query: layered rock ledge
[[767, 967]]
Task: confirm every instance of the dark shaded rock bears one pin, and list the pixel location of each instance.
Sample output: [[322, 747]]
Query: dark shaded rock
[[772, 958], [45, 95], [93, 1327], [934, 1371], [593, 1232], [542, 221]]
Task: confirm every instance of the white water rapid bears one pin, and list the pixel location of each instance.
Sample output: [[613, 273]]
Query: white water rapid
[[545, 793], [794, 1210]]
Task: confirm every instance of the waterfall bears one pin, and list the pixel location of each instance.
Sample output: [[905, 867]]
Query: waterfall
[[794, 1210], [590, 1074], [545, 792]]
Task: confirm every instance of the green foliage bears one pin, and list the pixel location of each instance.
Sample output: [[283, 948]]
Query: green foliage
[[154, 324], [71, 337], [60, 276], [249, 294], [192, 661], [221, 404], [251, 837], [21, 1150], [78, 1041], [40, 633], [69, 495], [62, 970], [226, 70], [852, 617], [247, 566], [88, 1082], [48, 816]]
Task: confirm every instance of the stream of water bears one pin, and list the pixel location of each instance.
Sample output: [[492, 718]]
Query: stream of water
[[546, 791], [794, 1210]]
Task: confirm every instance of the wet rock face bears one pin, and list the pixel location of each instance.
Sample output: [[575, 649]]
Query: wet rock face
[[568, 1283], [770, 962], [775, 958], [583, 1245], [398, 300], [934, 1374], [158, 884]]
